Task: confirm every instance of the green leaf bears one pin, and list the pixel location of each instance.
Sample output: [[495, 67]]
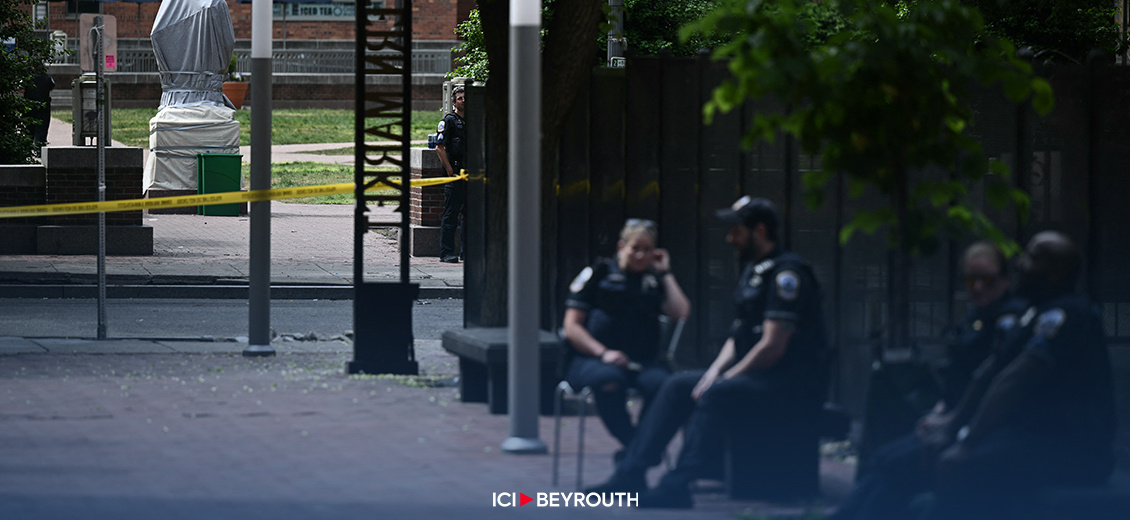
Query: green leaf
[[961, 215], [1042, 99]]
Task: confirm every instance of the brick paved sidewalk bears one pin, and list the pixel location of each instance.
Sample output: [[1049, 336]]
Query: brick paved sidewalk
[[219, 436], [311, 244]]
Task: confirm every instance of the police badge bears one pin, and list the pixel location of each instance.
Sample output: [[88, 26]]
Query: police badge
[[788, 285]]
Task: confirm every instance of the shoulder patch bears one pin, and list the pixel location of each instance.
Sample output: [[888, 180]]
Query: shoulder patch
[[788, 285], [442, 125], [580, 281], [1049, 323]]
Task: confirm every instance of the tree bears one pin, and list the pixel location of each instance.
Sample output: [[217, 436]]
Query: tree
[[569, 49], [651, 27], [1057, 30], [22, 56], [884, 102], [472, 59]]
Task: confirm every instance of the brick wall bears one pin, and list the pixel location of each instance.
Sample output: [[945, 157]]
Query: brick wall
[[22, 185], [289, 90], [426, 203], [431, 20], [72, 176]]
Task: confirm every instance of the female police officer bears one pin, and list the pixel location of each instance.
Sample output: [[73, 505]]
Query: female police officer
[[612, 324]]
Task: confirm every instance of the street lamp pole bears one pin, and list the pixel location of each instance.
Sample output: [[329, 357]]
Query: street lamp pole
[[259, 294], [525, 226]]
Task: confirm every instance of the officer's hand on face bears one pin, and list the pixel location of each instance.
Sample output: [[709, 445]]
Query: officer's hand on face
[[661, 262], [615, 357]]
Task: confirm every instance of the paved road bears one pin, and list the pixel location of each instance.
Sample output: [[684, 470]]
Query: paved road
[[220, 319]]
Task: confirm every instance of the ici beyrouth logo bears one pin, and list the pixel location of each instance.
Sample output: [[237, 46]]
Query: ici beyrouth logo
[[556, 499]]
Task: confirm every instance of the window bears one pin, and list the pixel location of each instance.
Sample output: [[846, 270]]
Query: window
[[77, 7]]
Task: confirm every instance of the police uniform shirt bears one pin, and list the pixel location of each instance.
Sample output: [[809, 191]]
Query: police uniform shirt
[[780, 287], [622, 308], [980, 333], [1076, 402], [451, 135]]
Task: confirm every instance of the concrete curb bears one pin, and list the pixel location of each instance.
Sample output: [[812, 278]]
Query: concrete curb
[[218, 292]]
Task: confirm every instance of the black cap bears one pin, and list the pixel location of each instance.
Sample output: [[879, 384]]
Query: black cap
[[749, 212]]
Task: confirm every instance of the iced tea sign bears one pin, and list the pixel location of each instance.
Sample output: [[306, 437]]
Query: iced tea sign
[[326, 11]]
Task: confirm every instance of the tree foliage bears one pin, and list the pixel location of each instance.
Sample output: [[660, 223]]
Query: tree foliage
[[651, 27], [22, 55], [472, 59], [883, 99], [1055, 29]]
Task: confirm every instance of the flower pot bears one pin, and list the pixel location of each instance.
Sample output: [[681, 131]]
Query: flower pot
[[236, 91]]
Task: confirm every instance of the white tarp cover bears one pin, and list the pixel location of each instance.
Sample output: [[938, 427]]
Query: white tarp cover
[[193, 41], [177, 134]]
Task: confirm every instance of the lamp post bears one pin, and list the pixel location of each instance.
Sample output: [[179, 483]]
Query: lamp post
[[259, 294], [525, 226]]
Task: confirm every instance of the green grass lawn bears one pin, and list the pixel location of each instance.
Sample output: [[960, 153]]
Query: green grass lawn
[[292, 126], [297, 126], [295, 174]]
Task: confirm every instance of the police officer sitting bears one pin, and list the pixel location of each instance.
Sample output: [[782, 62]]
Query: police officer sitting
[[612, 324], [769, 365], [1038, 412], [993, 310]]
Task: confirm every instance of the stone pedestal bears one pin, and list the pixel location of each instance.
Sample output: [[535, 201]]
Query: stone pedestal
[[426, 205]]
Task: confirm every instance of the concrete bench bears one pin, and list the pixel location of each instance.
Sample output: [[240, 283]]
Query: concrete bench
[[483, 370]]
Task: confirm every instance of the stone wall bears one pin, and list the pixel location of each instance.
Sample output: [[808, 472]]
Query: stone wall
[[70, 174], [143, 90]]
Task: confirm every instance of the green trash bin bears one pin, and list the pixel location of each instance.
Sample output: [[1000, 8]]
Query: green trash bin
[[218, 173]]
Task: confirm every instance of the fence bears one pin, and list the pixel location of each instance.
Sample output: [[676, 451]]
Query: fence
[[632, 149], [314, 57]]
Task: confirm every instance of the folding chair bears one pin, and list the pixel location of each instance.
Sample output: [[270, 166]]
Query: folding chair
[[583, 399]]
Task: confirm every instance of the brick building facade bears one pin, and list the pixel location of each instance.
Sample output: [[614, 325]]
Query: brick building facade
[[431, 19], [305, 36]]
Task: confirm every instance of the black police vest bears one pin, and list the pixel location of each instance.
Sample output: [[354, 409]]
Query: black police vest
[[808, 344], [454, 135]]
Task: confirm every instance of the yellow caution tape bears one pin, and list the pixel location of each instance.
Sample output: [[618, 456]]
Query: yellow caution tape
[[205, 200]]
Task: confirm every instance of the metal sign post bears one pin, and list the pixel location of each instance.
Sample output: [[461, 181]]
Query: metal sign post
[[99, 64], [382, 312]]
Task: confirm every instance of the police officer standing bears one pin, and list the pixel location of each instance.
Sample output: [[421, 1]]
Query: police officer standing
[[769, 366], [40, 92], [450, 148]]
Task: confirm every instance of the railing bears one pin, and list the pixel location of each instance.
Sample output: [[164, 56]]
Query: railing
[[136, 56]]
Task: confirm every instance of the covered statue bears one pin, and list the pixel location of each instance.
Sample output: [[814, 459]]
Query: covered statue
[[193, 41]]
